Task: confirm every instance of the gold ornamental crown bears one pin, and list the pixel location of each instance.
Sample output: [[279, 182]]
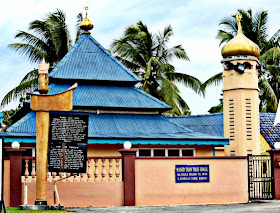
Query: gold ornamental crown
[[240, 44], [86, 24]]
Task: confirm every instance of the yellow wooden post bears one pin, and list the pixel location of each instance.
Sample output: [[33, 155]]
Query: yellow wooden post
[[43, 104], [42, 138]]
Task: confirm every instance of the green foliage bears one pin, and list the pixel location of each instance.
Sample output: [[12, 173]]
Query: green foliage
[[148, 56], [48, 38], [269, 81], [254, 27], [18, 210], [27, 84], [7, 120], [78, 29], [216, 109]]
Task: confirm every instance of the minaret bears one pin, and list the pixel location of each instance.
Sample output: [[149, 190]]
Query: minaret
[[241, 95]]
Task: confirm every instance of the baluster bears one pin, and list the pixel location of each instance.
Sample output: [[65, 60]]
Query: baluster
[[103, 173], [117, 169], [110, 170], [33, 172], [96, 170], [75, 177], [82, 177], [64, 176], [53, 176], [89, 171], [26, 173], [49, 177], [60, 175], [68, 177]]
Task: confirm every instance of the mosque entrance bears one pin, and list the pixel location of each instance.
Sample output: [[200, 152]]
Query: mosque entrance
[[260, 177]]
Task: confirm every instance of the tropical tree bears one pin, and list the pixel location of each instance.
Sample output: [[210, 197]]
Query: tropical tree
[[269, 81], [148, 56], [7, 120], [48, 38], [254, 27]]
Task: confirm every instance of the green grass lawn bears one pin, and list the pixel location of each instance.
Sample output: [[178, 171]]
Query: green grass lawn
[[16, 209]]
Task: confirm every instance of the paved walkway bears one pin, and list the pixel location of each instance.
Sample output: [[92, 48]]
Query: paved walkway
[[267, 206]]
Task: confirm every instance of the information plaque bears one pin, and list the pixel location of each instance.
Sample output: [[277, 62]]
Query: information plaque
[[68, 143], [191, 173]]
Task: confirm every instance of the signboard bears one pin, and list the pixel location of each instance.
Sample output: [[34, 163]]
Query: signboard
[[68, 143], [191, 173]]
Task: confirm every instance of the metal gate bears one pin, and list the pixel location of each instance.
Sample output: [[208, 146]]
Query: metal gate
[[260, 175]]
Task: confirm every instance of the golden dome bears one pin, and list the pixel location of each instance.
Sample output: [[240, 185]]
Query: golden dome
[[240, 44], [86, 24]]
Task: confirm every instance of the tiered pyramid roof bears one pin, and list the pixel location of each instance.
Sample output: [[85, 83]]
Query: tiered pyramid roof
[[105, 84]]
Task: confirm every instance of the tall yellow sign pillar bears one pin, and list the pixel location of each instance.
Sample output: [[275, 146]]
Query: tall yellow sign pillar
[[43, 104], [241, 95]]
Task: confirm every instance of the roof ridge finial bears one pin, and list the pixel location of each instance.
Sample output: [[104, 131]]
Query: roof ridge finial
[[86, 24], [43, 67], [238, 19]]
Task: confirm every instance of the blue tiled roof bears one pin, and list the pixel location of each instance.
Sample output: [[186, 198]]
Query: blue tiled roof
[[111, 96], [270, 133], [126, 126], [88, 60], [213, 124]]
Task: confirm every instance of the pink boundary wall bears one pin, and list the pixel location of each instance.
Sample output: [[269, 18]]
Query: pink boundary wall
[[155, 185], [82, 194], [155, 182]]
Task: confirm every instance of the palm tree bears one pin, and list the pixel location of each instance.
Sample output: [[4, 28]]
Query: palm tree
[[255, 28], [148, 56], [49, 38], [271, 77]]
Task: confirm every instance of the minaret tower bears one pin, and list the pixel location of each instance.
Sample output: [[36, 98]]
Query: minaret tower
[[241, 95]]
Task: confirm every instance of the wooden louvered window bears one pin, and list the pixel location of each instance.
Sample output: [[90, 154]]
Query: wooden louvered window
[[231, 120], [248, 106]]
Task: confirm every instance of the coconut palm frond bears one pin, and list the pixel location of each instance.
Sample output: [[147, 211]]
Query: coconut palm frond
[[187, 80], [268, 94], [78, 29], [214, 80], [19, 91], [224, 36], [149, 56], [34, 54], [48, 38], [30, 76]]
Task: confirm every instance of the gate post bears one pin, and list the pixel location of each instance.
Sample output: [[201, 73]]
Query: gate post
[[15, 176], [128, 175], [275, 159]]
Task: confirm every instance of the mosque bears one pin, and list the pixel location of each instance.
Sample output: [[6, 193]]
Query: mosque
[[118, 111]]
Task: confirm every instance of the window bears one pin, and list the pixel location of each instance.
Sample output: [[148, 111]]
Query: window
[[144, 152], [173, 152], [159, 152], [187, 152], [165, 152]]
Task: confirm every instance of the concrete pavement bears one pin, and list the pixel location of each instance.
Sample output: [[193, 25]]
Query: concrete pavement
[[262, 206]]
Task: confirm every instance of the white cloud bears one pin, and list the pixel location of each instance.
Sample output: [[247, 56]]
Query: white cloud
[[195, 24]]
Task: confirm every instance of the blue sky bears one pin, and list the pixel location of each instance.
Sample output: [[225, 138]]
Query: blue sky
[[194, 22]]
